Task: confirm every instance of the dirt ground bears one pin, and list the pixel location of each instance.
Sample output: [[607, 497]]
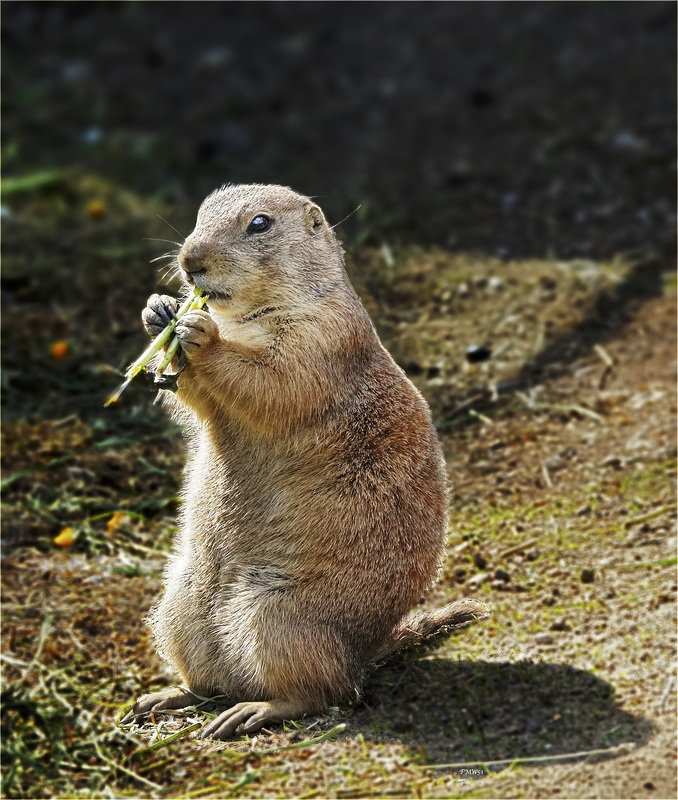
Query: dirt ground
[[563, 520], [514, 168]]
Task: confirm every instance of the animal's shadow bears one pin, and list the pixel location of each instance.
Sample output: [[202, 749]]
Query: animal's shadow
[[467, 711]]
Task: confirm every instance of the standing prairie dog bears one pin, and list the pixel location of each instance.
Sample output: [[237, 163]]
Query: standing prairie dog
[[315, 489]]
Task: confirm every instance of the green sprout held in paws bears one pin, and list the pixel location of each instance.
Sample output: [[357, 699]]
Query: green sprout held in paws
[[194, 302]]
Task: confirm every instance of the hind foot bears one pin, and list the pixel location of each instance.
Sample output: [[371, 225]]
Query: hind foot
[[166, 700], [250, 717]]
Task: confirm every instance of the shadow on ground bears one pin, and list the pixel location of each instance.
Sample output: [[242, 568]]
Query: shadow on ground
[[456, 711], [612, 310]]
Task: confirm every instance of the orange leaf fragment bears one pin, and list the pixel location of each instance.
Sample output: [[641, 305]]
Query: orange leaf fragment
[[116, 521], [96, 209], [59, 350], [65, 538]]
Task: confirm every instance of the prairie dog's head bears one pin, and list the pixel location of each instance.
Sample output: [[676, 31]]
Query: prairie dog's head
[[258, 246]]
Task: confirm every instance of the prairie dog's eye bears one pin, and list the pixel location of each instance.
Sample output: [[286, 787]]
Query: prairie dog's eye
[[259, 224]]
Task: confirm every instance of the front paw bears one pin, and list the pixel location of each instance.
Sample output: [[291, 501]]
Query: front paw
[[195, 331], [160, 310]]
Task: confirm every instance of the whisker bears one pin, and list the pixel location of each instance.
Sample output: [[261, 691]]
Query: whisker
[[171, 271], [164, 255], [168, 241], [172, 227], [336, 225]]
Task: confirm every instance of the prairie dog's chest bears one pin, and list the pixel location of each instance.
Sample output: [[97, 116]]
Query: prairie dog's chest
[[249, 333]]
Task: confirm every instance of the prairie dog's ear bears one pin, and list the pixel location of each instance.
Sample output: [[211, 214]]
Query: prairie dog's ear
[[315, 220]]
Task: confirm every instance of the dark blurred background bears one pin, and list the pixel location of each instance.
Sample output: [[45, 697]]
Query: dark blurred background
[[513, 130], [519, 128]]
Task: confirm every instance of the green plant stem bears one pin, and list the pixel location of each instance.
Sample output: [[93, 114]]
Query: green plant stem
[[169, 355], [308, 743], [172, 738], [195, 301], [656, 512]]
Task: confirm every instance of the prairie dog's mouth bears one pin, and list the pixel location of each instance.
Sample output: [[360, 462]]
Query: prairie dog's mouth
[[216, 297], [213, 295]]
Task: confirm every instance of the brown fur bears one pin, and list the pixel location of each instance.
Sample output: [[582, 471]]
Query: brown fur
[[315, 492]]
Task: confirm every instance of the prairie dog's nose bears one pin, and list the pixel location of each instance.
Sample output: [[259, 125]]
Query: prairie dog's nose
[[192, 257]]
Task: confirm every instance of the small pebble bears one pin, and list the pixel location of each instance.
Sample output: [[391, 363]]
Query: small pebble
[[460, 574], [627, 140], [477, 353], [81, 474], [634, 536], [543, 638], [554, 463], [587, 576], [498, 586]]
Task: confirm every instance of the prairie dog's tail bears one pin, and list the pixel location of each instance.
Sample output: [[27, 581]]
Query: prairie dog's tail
[[419, 627]]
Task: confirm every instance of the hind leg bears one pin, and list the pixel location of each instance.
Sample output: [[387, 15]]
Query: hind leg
[[286, 662]]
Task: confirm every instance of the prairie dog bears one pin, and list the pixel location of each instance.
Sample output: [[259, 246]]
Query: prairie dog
[[315, 489]]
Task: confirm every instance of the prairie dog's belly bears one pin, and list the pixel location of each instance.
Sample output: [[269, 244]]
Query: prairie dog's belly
[[233, 512], [298, 504]]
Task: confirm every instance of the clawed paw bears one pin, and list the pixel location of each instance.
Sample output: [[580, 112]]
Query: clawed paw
[[166, 700], [195, 330], [243, 717], [160, 310]]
